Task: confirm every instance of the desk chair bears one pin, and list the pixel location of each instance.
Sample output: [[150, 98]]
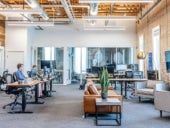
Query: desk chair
[[129, 74], [136, 74], [14, 77], [12, 90], [5, 72], [2, 82]]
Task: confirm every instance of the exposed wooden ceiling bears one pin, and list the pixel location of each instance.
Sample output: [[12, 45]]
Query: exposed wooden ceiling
[[54, 8]]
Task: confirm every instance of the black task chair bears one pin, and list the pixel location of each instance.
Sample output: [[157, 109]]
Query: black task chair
[[5, 72], [128, 74], [2, 82], [12, 90], [14, 77], [130, 85]]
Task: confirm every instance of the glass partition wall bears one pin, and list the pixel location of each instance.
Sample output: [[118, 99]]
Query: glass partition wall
[[71, 64], [89, 59], [51, 59]]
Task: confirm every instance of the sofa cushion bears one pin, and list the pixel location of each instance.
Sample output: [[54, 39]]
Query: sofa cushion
[[146, 91], [86, 92], [152, 83], [89, 82], [92, 90]]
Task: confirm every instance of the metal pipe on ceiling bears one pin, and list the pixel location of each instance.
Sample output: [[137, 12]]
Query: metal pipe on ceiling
[[67, 10]]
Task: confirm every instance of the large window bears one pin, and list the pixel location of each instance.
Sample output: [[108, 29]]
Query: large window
[[141, 48], [156, 48], [104, 56]]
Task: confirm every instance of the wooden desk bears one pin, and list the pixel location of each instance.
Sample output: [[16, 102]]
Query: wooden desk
[[121, 80], [29, 84], [24, 86]]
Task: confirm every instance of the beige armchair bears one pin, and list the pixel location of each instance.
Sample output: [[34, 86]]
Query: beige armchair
[[161, 98], [146, 89]]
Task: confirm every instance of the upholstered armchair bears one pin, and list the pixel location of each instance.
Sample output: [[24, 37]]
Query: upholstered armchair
[[146, 89], [161, 98]]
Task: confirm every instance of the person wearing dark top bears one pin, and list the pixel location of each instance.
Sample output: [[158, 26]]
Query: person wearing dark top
[[34, 72], [19, 74]]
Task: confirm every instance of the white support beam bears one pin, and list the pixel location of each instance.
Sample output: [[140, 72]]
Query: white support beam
[[67, 10], [109, 18]]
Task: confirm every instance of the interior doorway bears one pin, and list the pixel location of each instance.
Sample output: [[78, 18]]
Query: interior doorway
[[12, 59]]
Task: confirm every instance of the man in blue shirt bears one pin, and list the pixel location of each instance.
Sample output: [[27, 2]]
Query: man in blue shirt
[[19, 74]]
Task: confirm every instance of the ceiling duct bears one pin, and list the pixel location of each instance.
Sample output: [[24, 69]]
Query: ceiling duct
[[35, 5], [32, 3], [94, 9], [67, 9]]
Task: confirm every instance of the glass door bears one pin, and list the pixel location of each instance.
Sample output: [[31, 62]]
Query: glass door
[[51, 59]]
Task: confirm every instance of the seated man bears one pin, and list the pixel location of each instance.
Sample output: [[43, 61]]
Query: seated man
[[19, 74]]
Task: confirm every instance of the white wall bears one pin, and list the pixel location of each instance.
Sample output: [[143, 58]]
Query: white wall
[[74, 38], [16, 40]]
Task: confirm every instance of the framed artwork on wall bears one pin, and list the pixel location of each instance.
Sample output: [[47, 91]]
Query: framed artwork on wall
[[150, 61], [167, 60]]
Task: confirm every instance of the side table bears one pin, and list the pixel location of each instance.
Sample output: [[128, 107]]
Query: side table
[[110, 102]]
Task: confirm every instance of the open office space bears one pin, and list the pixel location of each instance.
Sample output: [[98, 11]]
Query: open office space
[[85, 63]]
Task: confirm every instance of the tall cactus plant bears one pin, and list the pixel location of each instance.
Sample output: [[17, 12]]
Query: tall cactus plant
[[104, 80]]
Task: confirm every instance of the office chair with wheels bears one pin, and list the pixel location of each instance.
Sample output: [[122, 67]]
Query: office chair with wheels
[[5, 72], [12, 90], [2, 82], [134, 74], [130, 85], [14, 77]]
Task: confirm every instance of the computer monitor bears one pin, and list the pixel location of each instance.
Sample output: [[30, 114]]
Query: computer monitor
[[96, 69], [134, 67], [121, 66], [45, 63], [110, 69]]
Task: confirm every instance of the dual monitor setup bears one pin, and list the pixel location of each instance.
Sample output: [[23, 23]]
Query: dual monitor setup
[[113, 68], [127, 71]]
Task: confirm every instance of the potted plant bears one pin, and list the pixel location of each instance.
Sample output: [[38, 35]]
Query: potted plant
[[104, 81]]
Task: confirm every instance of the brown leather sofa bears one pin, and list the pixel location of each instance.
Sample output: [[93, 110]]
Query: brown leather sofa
[[89, 102]]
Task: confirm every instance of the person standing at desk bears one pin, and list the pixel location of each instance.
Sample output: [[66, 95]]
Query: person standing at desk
[[19, 74]]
